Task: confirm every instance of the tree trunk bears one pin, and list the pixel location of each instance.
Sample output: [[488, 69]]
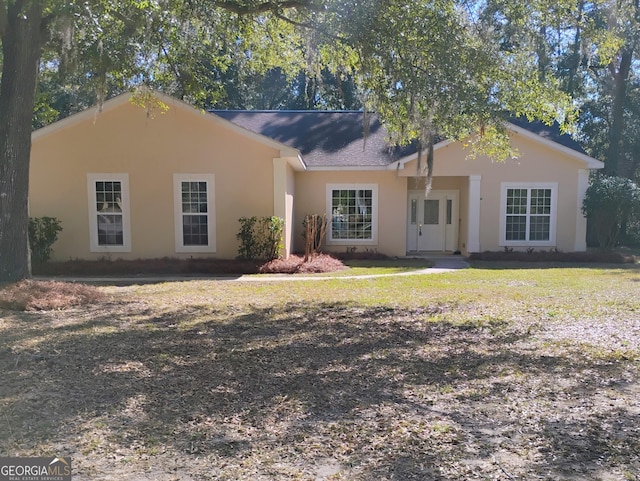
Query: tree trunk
[[615, 164], [22, 38]]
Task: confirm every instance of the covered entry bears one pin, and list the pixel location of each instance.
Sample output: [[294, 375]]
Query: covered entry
[[432, 221]]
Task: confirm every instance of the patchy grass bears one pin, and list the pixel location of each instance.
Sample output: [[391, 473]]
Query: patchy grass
[[477, 374]]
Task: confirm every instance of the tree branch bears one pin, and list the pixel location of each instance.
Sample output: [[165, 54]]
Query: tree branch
[[311, 27], [176, 71]]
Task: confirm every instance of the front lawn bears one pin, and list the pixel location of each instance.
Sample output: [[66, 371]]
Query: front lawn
[[475, 374]]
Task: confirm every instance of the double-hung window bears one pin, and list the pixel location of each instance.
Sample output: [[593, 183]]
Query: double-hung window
[[109, 217], [194, 212], [528, 214], [353, 210]]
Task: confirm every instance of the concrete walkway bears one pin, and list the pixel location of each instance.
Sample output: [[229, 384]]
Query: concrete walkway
[[450, 262], [442, 264]]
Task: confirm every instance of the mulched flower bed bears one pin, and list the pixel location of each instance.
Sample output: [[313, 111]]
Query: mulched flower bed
[[171, 266]]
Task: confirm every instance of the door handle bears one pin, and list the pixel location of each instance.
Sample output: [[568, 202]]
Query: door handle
[[419, 229]]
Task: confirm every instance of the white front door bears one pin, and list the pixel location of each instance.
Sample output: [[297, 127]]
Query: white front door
[[432, 221]]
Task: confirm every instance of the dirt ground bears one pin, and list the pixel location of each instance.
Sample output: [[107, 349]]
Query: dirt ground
[[319, 392]]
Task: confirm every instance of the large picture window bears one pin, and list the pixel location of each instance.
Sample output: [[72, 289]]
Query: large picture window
[[194, 212], [109, 212], [528, 214], [353, 213]]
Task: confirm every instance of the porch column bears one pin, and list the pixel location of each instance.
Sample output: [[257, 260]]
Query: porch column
[[581, 220], [473, 220], [283, 200]]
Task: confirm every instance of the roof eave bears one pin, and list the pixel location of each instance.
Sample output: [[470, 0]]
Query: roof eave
[[295, 160], [346, 168]]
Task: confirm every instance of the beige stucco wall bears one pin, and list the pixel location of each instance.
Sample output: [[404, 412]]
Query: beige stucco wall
[[253, 179], [537, 163], [311, 198], [150, 149]]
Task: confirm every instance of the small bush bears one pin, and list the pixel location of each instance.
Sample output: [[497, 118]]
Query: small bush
[[260, 238], [43, 232], [610, 203]]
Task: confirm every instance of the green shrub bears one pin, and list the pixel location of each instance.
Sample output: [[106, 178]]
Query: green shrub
[[609, 204], [43, 232], [248, 242], [260, 238]]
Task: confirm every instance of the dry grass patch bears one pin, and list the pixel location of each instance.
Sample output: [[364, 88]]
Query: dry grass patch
[[30, 295]]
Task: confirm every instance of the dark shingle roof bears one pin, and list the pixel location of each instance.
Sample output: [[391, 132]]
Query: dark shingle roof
[[337, 138], [324, 138]]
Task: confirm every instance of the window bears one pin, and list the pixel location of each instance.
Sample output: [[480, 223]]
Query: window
[[353, 211], [109, 212], [194, 212], [528, 214], [431, 212]]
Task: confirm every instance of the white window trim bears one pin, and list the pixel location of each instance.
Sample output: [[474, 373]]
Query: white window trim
[[504, 186], [93, 213], [177, 212], [374, 217]]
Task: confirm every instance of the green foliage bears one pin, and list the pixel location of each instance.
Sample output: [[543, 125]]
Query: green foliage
[[610, 203], [432, 68], [260, 238], [274, 241], [248, 242], [590, 50], [43, 232]]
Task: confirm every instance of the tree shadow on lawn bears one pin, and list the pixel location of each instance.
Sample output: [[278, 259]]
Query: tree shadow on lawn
[[370, 393]]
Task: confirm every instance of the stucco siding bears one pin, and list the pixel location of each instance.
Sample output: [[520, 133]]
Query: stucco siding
[[311, 198], [150, 149]]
